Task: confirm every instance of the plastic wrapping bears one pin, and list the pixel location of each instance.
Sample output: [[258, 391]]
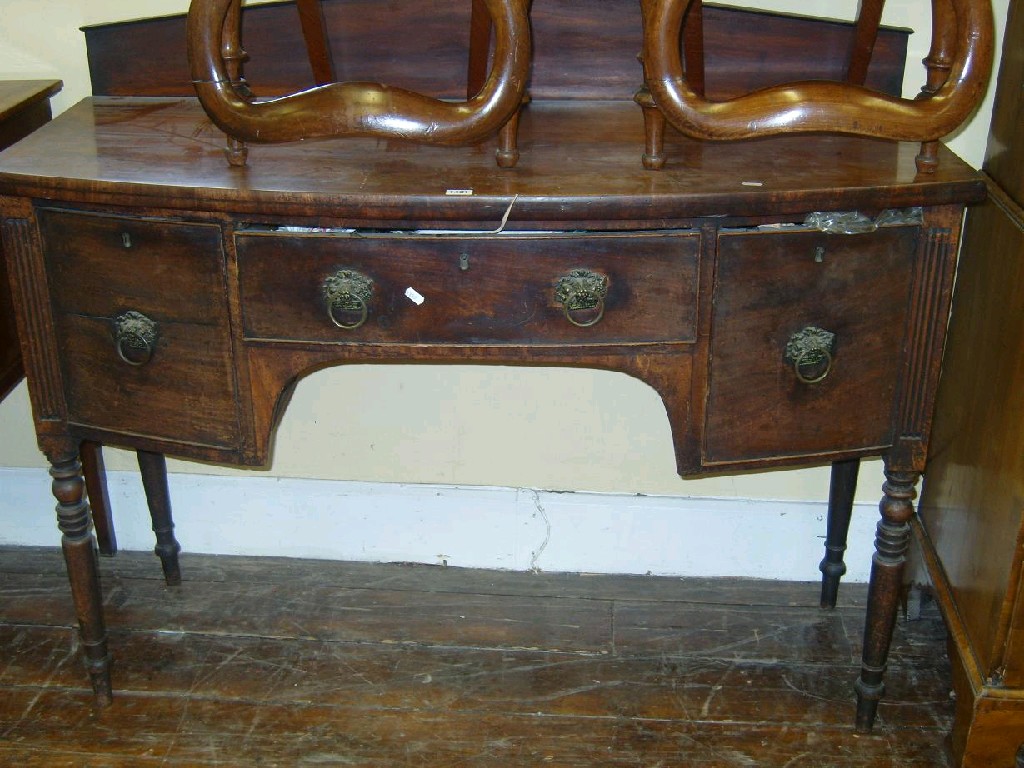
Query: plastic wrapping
[[857, 223]]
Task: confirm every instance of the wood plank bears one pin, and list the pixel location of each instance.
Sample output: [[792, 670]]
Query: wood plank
[[200, 731], [371, 675]]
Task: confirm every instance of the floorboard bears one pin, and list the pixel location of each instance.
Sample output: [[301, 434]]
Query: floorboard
[[275, 662]]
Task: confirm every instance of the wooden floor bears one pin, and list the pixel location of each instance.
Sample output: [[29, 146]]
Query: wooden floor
[[274, 662]]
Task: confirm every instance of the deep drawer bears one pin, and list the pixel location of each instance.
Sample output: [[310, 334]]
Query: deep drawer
[[488, 289], [181, 386], [773, 293]]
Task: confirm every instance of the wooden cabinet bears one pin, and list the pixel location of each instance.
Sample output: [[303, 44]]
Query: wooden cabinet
[[24, 106], [972, 507]]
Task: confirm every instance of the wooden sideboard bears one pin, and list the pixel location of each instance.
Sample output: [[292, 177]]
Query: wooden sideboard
[[168, 302], [24, 106], [972, 506]]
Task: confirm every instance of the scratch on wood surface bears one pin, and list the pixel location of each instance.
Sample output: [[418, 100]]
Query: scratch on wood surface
[[70, 653], [715, 688], [795, 760], [806, 693]]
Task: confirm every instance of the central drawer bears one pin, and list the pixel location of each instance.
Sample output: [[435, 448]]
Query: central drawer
[[508, 288]]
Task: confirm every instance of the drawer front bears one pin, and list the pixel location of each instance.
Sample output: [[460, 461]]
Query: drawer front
[[498, 289], [167, 268], [807, 342], [168, 376], [185, 392]]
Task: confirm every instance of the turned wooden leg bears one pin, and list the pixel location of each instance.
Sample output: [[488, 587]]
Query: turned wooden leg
[[891, 541], [154, 479], [654, 131], [236, 151], [840, 509], [79, 548], [938, 64], [507, 154], [99, 498]]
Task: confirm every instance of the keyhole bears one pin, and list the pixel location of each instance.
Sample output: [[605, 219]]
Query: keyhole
[[464, 262], [819, 254], [126, 239]]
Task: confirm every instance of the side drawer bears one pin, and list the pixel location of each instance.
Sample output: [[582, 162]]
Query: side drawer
[[178, 384], [487, 289], [171, 268], [773, 392]]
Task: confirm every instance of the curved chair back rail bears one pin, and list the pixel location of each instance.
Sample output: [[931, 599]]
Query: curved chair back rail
[[814, 106], [359, 109]]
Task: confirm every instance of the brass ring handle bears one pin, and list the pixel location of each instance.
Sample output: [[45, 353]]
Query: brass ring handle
[[135, 337], [581, 293], [819, 106], [348, 292], [358, 109], [810, 351], [814, 358]]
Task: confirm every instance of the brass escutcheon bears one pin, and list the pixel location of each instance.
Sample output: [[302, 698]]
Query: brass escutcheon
[[582, 293], [348, 291]]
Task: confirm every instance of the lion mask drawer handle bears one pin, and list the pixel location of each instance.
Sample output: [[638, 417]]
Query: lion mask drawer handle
[[135, 337], [347, 295], [810, 351], [582, 294]]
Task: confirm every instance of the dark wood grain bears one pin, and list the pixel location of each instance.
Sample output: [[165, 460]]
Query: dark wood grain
[[238, 695]]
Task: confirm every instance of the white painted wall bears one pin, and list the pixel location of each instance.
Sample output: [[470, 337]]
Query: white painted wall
[[368, 431]]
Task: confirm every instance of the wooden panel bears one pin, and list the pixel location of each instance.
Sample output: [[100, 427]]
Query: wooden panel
[[479, 290], [770, 286], [1005, 157], [973, 500], [576, 54]]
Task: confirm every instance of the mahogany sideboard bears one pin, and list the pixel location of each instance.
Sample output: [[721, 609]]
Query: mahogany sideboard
[[168, 302]]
